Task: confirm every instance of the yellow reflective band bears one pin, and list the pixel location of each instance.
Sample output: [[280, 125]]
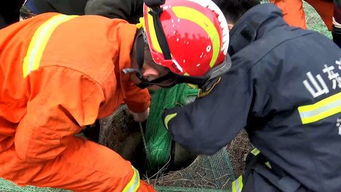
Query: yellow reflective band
[[255, 151], [320, 110], [237, 185], [268, 164], [205, 23], [192, 86], [134, 183], [152, 34], [168, 118], [140, 24], [39, 41]]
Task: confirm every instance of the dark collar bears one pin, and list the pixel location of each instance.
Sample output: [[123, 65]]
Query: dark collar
[[253, 25]]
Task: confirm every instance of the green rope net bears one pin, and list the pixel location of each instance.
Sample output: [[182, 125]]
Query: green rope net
[[157, 137], [7, 186]]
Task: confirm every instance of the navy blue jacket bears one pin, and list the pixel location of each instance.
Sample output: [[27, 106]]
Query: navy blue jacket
[[284, 89]]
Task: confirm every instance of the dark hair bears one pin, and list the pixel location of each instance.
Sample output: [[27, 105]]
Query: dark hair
[[26, 13], [234, 9]]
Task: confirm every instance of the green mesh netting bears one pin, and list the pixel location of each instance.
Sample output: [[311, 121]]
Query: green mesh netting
[[7, 186], [186, 189], [314, 21], [157, 137]]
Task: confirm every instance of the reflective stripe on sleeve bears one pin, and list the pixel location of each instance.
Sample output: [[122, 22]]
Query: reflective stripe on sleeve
[[168, 118], [320, 110], [39, 42], [134, 183], [237, 185], [255, 151]]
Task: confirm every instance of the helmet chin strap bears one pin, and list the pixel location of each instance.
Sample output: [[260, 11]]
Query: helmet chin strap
[[205, 83], [155, 12], [139, 51]]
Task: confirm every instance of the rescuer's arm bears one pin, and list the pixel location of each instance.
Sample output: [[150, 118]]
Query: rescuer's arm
[[137, 99], [61, 102], [210, 122]]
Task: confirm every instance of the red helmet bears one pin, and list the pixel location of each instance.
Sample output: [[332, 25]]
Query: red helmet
[[189, 37]]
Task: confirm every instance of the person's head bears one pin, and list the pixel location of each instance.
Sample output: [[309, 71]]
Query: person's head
[[182, 41], [143, 66], [234, 9]]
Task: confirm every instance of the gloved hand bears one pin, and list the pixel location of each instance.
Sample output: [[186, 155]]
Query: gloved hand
[[140, 117]]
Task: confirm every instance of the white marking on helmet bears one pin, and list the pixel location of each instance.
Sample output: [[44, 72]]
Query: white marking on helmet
[[177, 65], [203, 3], [225, 33], [221, 18]]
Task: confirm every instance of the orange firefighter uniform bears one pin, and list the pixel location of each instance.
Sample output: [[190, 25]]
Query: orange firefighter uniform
[[293, 12], [59, 73]]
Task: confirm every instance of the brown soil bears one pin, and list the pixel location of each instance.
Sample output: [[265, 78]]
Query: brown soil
[[122, 134]]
